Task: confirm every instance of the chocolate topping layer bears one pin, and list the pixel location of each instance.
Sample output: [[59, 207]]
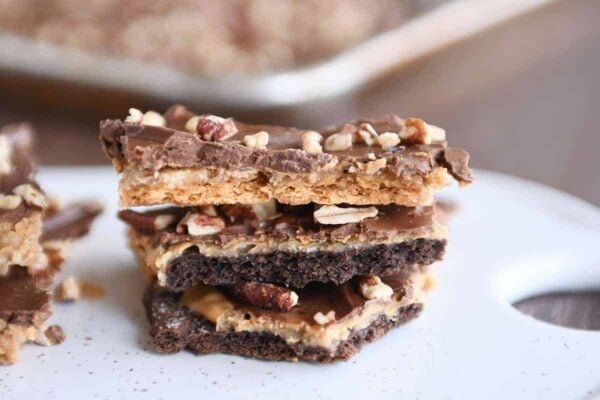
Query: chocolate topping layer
[[456, 161], [154, 148], [71, 222], [23, 298], [290, 222], [15, 215]]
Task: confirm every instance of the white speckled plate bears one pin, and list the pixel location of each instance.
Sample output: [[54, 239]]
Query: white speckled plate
[[511, 239]]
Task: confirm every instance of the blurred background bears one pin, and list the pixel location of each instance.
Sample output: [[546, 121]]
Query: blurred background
[[513, 81]]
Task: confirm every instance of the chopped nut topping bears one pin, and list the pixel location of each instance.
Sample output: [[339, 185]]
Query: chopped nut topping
[[367, 133], [152, 118], [10, 201], [31, 195], [192, 124], [266, 295], [388, 139], [416, 131], [338, 142], [323, 319], [68, 290], [258, 140], [311, 142], [198, 224], [162, 221], [437, 134], [371, 287], [334, 215], [371, 156], [265, 210], [5, 156], [214, 128], [135, 116], [373, 166]]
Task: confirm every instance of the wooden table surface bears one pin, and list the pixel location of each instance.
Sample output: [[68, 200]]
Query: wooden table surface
[[523, 98]]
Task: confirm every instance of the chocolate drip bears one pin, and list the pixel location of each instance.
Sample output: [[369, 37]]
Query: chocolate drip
[[23, 298]]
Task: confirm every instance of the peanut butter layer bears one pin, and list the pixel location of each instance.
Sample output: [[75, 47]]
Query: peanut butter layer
[[232, 244], [186, 159], [325, 316]]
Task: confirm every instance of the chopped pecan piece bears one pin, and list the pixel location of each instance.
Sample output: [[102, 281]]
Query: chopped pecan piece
[[214, 128], [266, 295]]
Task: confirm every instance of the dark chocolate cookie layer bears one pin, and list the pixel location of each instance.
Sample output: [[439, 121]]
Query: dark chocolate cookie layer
[[297, 269], [174, 328]]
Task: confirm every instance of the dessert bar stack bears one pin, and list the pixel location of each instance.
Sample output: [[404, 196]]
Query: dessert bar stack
[[34, 235], [280, 243]]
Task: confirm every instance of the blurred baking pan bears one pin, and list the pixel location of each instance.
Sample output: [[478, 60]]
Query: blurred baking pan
[[436, 25]]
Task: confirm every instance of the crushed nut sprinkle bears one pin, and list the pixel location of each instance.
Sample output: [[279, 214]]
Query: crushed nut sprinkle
[[68, 290], [334, 215], [31, 195], [372, 167], [162, 221], [258, 140], [416, 131], [338, 142], [192, 124], [135, 116], [311, 142], [324, 319], [152, 118], [197, 224], [371, 288], [437, 134], [367, 133], [388, 139]]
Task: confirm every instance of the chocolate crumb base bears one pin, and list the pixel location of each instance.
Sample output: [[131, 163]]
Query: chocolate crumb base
[[297, 269], [174, 328]]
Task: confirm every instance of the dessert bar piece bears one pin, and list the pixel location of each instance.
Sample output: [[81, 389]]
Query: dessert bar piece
[[25, 298], [280, 244], [187, 159], [327, 322], [24, 309], [22, 203]]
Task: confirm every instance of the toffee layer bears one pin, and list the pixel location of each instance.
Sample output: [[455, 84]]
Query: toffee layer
[[167, 164]]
